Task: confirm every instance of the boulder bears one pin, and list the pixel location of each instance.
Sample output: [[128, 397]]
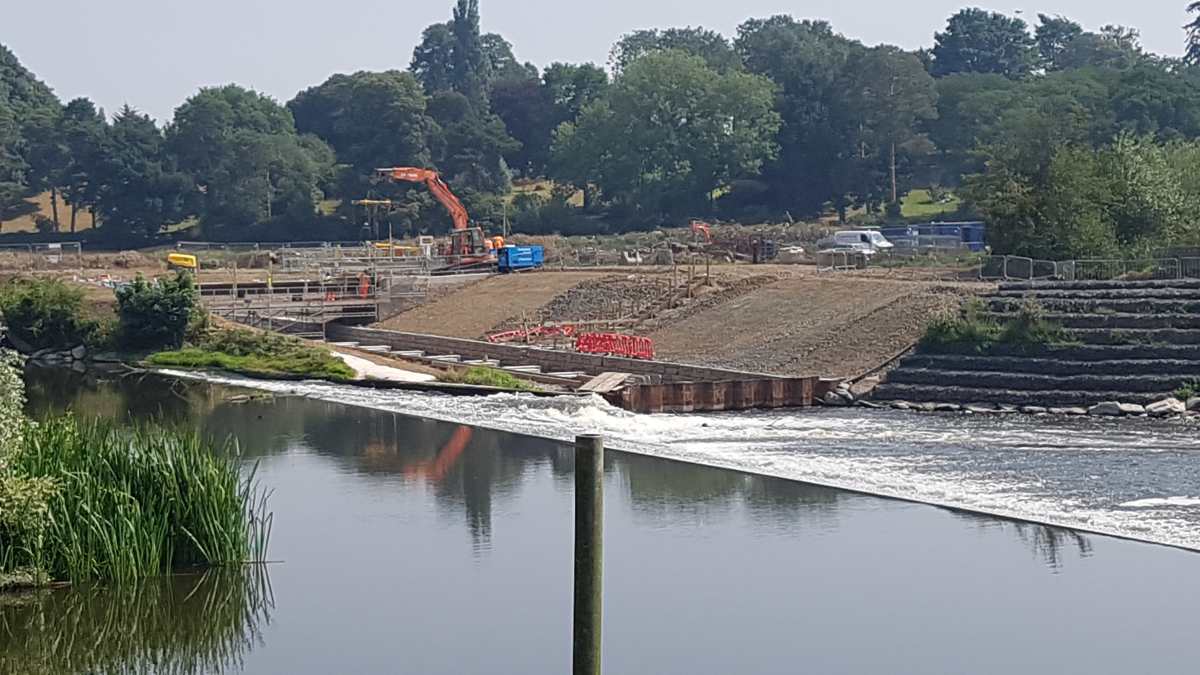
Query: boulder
[[832, 399], [1193, 403], [979, 409], [947, 407], [1166, 408], [927, 407], [1132, 409], [902, 405], [846, 395], [78, 353], [1068, 411], [1106, 409], [1034, 410], [862, 403]]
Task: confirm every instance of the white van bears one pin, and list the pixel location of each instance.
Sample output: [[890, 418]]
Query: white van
[[868, 242]]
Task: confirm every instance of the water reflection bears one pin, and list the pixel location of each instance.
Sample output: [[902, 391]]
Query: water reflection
[[200, 623], [1051, 545], [471, 472]]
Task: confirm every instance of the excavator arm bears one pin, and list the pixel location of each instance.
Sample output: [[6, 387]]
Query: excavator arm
[[441, 191]]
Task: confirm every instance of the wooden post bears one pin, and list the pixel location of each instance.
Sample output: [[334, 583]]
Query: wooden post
[[589, 558]]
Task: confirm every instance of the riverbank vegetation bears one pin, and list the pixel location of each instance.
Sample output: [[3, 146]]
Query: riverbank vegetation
[[973, 329], [1070, 142], [83, 500], [46, 314], [256, 354], [487, 377]]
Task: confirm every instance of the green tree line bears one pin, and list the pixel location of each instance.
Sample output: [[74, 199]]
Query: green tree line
[[785, 119]]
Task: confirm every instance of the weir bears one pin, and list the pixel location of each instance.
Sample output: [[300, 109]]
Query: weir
[[645, 386]]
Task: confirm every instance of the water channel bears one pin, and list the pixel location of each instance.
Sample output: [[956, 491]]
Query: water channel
[[397, 553]]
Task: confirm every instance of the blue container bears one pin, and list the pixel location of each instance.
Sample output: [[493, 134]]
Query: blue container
[[516, 258]]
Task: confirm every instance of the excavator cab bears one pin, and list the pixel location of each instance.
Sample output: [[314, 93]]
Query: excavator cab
[[469, 242]]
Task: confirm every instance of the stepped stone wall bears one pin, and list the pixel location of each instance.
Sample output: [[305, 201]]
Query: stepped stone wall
[[1133, 342]]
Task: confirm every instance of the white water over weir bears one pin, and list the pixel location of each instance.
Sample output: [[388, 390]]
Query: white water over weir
[[1134, 479]]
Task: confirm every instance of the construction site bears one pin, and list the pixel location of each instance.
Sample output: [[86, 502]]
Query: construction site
[[750, 309]]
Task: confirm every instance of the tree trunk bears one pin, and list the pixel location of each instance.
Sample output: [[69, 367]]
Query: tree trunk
[[895, 187], [74, 213], [54, 208]]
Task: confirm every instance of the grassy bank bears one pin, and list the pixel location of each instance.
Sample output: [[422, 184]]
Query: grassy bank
[[256, 354], [488, 377], [92, 501]]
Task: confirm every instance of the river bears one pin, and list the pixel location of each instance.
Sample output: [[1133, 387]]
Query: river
[[395, 553]]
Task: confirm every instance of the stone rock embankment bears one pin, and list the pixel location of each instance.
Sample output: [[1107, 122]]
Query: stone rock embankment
[[1132, 348]]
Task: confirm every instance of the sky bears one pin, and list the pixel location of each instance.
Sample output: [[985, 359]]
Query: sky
[[153, 54]]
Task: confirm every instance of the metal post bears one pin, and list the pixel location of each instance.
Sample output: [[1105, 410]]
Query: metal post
[[589, 558]]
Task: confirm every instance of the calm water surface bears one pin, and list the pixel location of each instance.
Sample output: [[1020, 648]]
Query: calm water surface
[[413, 546]]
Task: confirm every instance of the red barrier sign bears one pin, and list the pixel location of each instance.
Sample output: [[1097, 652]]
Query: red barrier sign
[[615, 344]]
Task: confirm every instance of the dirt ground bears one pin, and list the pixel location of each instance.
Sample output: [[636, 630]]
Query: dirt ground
[[828, 326], [477, 308], [774, 319]]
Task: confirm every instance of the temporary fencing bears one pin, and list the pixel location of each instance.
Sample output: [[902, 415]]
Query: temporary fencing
[[615, 344], [537, 331]]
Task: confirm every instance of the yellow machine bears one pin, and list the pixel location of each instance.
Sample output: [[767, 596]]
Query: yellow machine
[[182, 261]]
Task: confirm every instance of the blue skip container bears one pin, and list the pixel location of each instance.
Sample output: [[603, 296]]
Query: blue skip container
[[517, 258]]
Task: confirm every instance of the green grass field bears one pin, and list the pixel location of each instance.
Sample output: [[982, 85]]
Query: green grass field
[[918, 204]]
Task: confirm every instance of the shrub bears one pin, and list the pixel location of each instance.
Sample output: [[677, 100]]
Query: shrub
[[1188, 391], [488, 377], [45, 313], [1030, 327], [970, 326], [157, 314], [973, 329]]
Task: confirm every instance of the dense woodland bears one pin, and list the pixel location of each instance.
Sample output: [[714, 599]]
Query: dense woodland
[[1069, 142]]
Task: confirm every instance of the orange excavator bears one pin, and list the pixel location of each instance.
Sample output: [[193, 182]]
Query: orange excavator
[[465, 241]]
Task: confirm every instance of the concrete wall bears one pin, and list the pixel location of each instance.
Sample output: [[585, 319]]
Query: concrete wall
[[549, 360]]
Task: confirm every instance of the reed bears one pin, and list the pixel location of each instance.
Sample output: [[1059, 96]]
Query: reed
[[133, 502]]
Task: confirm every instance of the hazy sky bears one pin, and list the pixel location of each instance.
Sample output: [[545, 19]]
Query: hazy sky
[[154, 54]]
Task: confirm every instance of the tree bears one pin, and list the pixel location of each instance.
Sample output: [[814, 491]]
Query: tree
[[1192, 56], [370, 120], [977, 41], [470, 66], [890, 94], [243, 151], [141, 192], [1113, 47], [529, 117], [470, 145], [532, 110], [47, 155], [83, 130], [23, 98], [433, 60], [807, 61], [502, 64], [707, 44], [571, 88], [670, 132], [1054, 35], [12, 165]]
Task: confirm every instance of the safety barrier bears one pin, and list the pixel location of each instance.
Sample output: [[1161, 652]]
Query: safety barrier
[[615, 344]]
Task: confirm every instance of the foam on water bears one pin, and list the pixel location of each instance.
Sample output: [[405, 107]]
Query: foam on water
[[1153, 502], [1074, 473]]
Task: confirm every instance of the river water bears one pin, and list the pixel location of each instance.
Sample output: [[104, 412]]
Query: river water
[[396, 553]]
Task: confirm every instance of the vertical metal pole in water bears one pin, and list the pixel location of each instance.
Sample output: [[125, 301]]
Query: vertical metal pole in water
[[589, 553]]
